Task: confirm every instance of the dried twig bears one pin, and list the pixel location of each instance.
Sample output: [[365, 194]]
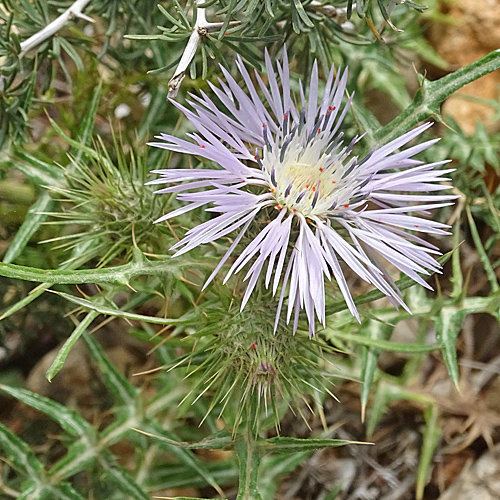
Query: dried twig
[[200, 29], [74, 11]]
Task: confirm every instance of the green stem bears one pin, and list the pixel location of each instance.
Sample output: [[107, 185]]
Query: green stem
[[249, 455], [430, 95]]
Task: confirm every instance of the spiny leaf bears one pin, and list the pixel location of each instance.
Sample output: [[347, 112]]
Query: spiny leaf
[[20, 454], [37, 213], [385, 394], [124, 392], [430, 440], [80, 456], [169, 476], [61, 356], [122, 479], [275, 466], [448, 325], [384, 345], [376, 331], [490, 272], [68, 419], [34, 217], [218, 441], [102, 309], [289, 445], [166, 440]]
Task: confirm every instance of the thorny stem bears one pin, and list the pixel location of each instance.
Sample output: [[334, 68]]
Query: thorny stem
[[249, 453], [430, 96]]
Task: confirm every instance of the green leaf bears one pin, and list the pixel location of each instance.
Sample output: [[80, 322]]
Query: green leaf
[[80, 456], [35, 491], [384, 345], [166, 440], [102, 309], [68, 419], [430, 440], [490, 272], [72, 53], [37, 213], [385, 394], [291, 445], [170, 18], [87, 126], [166, 476], [122, 479], [376, 330], [218, 441], [38, 171], [24, 302], [20, 455], [273, 467], [61, 356], [302, 13], [124, 392], [35, 216], [448, 325]]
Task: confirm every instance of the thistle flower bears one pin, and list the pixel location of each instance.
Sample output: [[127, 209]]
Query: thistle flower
[[286, 173]]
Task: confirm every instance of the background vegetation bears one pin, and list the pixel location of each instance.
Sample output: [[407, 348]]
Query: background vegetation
[[90, 300]]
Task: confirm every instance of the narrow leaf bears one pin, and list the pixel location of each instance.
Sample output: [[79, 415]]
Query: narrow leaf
[[68, 419], [430, 440], [61, 356], [102, 309], [20, 455], [290, 445], [384, 345], [34, 217], [376, 330], [448, 325]]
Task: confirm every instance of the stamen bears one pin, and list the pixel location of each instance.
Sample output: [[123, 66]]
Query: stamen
[[259, 162], [316, 194], [299, 198], [288, 189], [334, 144], [357, 199], [285, 123], [283, 148], [350, 168], [266, 139], [302, 119], [367, 157]]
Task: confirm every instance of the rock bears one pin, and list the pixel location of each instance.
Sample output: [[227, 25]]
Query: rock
[[473, 32], [479, 481]]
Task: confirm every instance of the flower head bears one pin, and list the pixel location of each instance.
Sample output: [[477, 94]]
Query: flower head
[[324, 210]]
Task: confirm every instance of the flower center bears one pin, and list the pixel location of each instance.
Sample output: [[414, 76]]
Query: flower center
[[308, 175]]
